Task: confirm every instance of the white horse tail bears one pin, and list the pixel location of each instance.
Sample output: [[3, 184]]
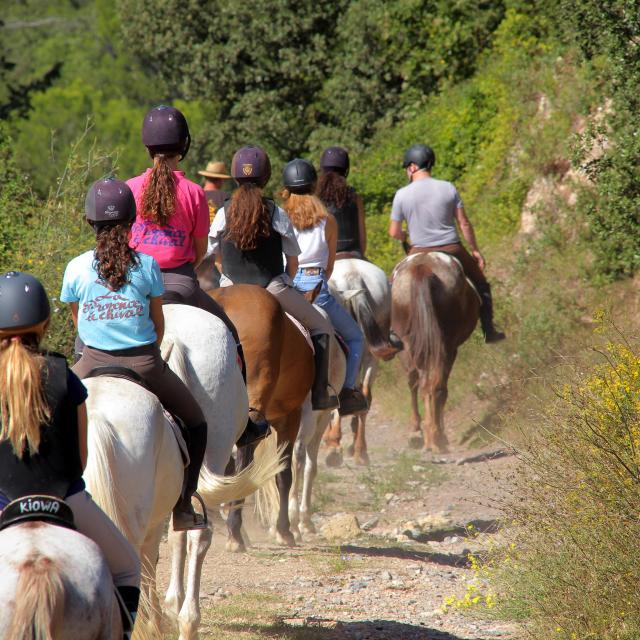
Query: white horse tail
[[268, 461], [174, 354], [40, 600], [98, 474], [362, 308]]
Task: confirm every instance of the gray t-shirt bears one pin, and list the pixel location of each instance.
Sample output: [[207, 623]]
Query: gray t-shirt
[[429, 206]]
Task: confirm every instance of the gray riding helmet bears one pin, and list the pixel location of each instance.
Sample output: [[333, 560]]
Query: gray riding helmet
[[420, 154], [23, 301], [299, 176]]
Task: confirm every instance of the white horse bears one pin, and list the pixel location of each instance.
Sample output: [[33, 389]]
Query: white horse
[[135, 469], [305, 451], [55, 585], [363, 289]]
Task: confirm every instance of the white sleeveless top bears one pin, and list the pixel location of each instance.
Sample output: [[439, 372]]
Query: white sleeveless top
[[314, 250]]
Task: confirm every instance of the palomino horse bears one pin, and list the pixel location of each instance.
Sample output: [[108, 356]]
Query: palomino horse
[[135, 469], [363, 289], [434, 310], [55, 584], [280, 372]]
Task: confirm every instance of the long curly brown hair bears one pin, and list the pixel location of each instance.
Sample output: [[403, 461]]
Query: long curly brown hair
[[113, 257], [304, 211], [247, 220], [333, 189], [159, 192]]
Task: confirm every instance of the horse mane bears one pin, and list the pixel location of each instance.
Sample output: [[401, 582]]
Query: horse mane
[[40, 601], [423, 333]]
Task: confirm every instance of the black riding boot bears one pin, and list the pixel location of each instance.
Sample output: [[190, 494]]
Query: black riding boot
[[352, 401], [320, 398], [491, 334], [184, 515], [128, 601]]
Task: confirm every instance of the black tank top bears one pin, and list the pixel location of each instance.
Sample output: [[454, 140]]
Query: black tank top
[[347, 219], [57, 464], [256, 266]]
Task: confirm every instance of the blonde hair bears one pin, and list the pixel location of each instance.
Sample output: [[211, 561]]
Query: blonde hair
[[23, 406], [304, 211]]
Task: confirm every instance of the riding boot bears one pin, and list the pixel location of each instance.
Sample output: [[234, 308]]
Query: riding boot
[[352, 401], [129, 598], [254, 431], [491, 334], [243, 362], [320, 398], [184, 515]]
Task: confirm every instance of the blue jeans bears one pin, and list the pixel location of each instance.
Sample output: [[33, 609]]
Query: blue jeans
[[344, 324]]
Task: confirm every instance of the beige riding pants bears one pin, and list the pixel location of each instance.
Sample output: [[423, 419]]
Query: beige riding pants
[[295, 304], [119, 553]]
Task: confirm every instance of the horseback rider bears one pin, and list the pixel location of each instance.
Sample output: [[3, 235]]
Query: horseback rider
[[431, 209], [249, 235], [317, 233], [214, 178], [343, 202], [43, 420], [172, 222], [115, 294]]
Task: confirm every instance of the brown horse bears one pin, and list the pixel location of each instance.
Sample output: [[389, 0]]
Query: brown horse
[[280, 372], [434, 310]]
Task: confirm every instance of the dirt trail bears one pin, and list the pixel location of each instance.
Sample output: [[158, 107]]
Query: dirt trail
[[391, 579]]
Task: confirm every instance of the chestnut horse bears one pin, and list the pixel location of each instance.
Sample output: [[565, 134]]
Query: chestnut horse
[[280, 372], [434, 310]]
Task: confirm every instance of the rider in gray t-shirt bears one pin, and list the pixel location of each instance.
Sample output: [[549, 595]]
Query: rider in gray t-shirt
[[431, 209]]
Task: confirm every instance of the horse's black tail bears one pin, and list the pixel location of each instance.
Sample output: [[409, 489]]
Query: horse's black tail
[[361, 307]]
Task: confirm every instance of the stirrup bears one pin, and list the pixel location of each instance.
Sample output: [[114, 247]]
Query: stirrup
[[200, 521]]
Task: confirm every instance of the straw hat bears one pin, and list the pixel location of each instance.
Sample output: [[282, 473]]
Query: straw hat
[[215, 169]]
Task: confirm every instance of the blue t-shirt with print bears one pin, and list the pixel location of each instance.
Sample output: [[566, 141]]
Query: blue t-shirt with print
[[109, 319]]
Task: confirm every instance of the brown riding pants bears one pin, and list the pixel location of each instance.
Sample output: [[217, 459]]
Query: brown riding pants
[[148, 363], [471, 268]]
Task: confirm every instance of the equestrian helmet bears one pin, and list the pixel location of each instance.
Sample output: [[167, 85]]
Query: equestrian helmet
[[23, 303], [110, 201], [251, 164], [335, 159], [421, 155], [299, 176], [165, 130]]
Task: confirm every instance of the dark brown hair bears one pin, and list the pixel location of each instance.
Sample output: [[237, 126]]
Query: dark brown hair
[[113, 255], [333, 189], [159, 192], [247, 219]]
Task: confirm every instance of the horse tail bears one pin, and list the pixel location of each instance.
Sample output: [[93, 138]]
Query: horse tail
[[361, 306], [98, 474], [268, 461], [423, 333], [40, 600], [174, 354]]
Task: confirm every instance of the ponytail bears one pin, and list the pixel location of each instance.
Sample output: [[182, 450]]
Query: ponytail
[[113, 256], [23, 406], [247, 219], [159, 193]]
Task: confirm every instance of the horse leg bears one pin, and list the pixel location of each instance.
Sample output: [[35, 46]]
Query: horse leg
[[310, 472], [235, 542], [198, 543], [175, 592], [354, 432], [416, 441], [435, 396], [332, 440], [149, 620], [299, 453], [361, 456], [287, 430], [440, 440]]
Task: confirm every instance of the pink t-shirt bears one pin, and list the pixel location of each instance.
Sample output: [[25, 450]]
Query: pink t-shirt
[[171, 245]]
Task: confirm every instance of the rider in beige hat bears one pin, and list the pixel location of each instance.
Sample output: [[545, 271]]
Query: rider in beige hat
[[214, 176]]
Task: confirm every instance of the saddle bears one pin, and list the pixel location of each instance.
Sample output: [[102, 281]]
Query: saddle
[[118, 371], [37, 508]]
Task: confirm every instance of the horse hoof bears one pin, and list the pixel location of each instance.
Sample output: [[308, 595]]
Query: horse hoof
[[362, 460], [350, 451], [334, 459], [416, 442], [286, 539], [234, 546]]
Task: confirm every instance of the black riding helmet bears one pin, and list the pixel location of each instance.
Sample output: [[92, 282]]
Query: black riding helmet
[[23, 302], [251, 164], [109, 201], [335, 159], [299, 176], [421, 155], [165, 130]]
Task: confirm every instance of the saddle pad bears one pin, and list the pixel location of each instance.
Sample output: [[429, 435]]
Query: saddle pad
[[39, 508], [177, 432], [303, 330]]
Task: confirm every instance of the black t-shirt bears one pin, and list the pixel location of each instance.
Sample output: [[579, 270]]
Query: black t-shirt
[[57, 465]]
